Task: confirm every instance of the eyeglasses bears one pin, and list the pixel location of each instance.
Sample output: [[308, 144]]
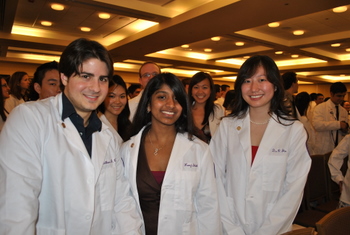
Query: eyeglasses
[[148, 75]]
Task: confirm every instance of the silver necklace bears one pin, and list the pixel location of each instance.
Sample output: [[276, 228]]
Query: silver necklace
[[260, 123], [156, 150]]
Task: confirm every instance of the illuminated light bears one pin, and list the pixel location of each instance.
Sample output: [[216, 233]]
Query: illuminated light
[[239, 44], [46, 23], [274, 25], [231, 78], [347, 49], [335, 78], [231, 61], [180, 72], [104, 16], [340, 9], [246, 57], [85, 29], [215, 39], [57, 7], [123, 65], [29, 56], [185, 46], [208, 50], [294, 56], [299, 62], [335, 45], [298, 32], [140, 25], [342, 75], [278, 52]]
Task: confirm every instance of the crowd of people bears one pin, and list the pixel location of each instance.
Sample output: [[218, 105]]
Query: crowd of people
[[82, 153]]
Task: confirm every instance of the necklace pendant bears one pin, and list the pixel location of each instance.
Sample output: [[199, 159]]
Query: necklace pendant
[[156, 151]]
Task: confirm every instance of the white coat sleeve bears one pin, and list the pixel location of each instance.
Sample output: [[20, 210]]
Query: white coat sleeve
[[284, 211], [218, 148], [320, 123], [20, 172], [336, 160], [207, 198], [126, 217]]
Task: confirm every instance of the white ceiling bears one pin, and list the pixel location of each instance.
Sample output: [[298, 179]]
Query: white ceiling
[[140, 30]]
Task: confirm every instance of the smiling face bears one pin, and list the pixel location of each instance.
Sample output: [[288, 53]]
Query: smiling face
[[87, 90], [164, 107], [201, 91], [115, 101], [5, 89], [257, 91], [50, 85]]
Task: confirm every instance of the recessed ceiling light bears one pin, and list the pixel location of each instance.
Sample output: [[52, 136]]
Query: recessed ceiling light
[[298, 32], [342, 75], [335, 45], [215, 39], [185, 46], [46, 23], [104, 16], [207, 50], [85, 29], [239, 44], [57, 7], [340, 9], [347, 49], [246, 57], [294, 56], [274, 25], [279, 52]]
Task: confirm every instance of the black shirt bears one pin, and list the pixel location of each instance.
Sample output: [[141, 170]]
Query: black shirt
[[94, 125]]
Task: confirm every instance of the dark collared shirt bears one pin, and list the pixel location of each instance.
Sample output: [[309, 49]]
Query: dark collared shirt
[[94, 125]]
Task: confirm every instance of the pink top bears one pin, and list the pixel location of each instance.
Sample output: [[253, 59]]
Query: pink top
[[158, 176], [254, 150]]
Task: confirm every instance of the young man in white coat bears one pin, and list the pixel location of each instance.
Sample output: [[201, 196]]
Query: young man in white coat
[[59, 171], [330, 129]]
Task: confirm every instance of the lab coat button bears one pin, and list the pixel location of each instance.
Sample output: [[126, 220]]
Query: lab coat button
[[87, 217], [89, 181]]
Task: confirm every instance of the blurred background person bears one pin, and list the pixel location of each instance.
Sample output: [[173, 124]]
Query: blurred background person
[[134, 90], [4, 94], [170, 170], [206, 114], [46, 82], [228, 103], [19, 87], [115, 110]]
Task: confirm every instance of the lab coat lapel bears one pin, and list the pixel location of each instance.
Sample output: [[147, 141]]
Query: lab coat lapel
[[99, 151], [181, 146], [274, 129], [243, 130]]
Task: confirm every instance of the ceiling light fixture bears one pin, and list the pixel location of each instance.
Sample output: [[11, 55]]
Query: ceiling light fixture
[[335, 45], [294, 56], [239, 44], [185, 46], [279, 52], [298, 32], [85, 29], [347, 49], [340, 9], [207, 50], [46, 23], [215, 39], [104, 16], [57, 7], [246, 57], [274, 25]]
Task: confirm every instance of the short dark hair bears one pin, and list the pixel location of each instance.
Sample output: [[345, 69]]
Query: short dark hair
[[338, 87], [39, 76], [288, 79], [302, 101], [224, 87], [132, 88], [80, 50], [143, 117], [313, 96]]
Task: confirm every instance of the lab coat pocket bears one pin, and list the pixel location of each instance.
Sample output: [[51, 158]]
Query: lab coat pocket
[[107, 185], [186, 184], [274, 171], [51, 231]]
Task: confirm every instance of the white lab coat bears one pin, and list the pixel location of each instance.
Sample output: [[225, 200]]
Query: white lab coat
[[335, 162], [50, 185], [263, 198], [116, 134], [133, 103], [326, 126], [12, 102], [189, 201]]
